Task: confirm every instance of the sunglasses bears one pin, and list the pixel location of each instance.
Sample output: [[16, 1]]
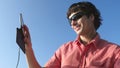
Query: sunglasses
[[76, 16]]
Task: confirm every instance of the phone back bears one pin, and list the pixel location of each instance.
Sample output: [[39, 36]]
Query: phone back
[[20, 39]]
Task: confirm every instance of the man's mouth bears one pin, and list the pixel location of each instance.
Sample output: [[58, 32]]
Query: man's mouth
[[77, 27]]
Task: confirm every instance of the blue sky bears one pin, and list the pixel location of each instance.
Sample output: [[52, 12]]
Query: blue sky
[[48, 27]]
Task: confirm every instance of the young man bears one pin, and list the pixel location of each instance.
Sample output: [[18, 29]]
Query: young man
[[88, 50]]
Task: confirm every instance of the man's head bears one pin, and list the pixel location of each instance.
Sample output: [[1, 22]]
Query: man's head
[[87, 9]]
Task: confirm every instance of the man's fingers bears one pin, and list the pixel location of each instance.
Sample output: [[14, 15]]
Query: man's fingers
[[26, 33]]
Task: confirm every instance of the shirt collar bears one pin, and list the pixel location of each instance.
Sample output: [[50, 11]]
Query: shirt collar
[[95, 41]]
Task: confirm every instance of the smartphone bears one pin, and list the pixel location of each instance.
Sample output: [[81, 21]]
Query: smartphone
[[20, 35]]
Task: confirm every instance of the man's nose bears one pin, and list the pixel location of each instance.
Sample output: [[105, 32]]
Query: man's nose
[[73, 23]]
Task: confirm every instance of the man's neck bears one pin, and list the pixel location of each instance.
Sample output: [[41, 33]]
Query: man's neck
[[85, 39]]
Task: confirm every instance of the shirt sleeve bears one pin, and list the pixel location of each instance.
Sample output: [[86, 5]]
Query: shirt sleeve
[[117, 62], [55, 61]]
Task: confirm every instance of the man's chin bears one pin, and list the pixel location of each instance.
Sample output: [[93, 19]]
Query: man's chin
[[79, 32]]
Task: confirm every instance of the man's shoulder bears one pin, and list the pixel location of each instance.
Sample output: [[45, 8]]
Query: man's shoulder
[[67, 44], [109, 45]]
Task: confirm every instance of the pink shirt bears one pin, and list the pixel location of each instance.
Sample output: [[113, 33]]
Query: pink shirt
[[97, 54]]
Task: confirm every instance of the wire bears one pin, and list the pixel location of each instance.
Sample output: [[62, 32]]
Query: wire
[[18, 58]]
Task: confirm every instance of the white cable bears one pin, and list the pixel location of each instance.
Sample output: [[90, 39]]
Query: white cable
[[18, 58]]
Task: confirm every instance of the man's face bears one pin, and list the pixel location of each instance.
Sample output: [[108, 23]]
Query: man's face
[[81, 24]]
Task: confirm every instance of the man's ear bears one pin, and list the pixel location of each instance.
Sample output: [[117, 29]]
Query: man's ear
[[92, 17]]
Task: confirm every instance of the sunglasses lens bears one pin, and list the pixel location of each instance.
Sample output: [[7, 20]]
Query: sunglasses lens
[[76, 17]]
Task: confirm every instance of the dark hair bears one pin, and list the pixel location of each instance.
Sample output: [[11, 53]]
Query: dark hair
[[89, 9]]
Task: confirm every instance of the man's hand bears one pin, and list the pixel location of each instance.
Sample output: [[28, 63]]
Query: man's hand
[[27, 37]]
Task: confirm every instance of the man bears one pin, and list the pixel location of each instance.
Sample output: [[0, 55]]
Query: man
[[88, 50]]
